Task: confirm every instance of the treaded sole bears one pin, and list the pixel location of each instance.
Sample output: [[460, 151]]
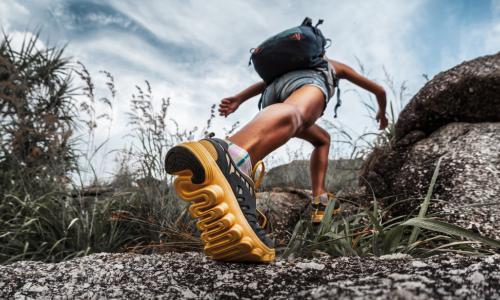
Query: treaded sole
[[317, 217], [226, 234]]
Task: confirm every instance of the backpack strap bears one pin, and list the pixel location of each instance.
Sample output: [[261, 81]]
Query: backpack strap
[[307, 22], [260, 100], [330, 76], [336, 80], [339, 101]]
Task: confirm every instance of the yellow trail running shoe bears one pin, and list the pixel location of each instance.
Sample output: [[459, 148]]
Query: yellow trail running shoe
[[319, 204], [222, 198]]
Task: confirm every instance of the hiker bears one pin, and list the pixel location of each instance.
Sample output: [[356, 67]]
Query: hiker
[[218, 175]]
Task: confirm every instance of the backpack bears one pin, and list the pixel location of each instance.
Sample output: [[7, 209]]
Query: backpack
[[301, 47], [297, 48]]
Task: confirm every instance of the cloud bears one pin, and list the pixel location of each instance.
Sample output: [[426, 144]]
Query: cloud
[[495, 5], [492, 40], [9, 11], [196, 52]]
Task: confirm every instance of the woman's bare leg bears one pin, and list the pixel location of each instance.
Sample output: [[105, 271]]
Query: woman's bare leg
[[277, 123], [320, 139]]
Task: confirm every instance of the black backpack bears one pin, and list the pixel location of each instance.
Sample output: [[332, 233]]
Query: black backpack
[[297, 48]]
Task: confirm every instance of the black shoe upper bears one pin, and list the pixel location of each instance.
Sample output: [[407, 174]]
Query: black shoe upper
[[242, 187], [322, 207]]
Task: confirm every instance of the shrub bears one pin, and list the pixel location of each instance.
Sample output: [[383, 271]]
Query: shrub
[[37, 115]]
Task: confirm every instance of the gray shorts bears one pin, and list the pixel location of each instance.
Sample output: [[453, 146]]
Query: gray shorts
[[282, 87]]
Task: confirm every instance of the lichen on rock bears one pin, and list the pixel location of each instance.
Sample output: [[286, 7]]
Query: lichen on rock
[[456, 116], [190, 275]]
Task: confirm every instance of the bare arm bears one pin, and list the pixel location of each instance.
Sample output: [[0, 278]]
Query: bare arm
[[251, 91], [346, 72], [230, 104]]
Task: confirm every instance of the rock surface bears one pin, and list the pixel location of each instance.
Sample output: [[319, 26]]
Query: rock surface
[[456, 115], [468, 187], [191, 275]]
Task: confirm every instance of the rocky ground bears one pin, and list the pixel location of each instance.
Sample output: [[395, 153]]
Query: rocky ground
[[191, 275]]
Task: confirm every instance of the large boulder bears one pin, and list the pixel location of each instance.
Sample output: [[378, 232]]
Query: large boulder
[[468, 186], [286, 193], [283, 207], [340, 174], [469, 92], [456, 116]]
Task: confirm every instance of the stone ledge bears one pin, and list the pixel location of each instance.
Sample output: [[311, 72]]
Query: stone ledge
[[191, 275]]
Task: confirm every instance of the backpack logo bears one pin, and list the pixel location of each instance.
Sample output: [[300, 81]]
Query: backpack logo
[[256, 50], [296, 36]]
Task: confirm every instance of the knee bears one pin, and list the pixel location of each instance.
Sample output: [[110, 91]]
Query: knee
[[323, 139]]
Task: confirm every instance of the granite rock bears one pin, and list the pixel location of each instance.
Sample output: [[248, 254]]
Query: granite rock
[[191, 275]]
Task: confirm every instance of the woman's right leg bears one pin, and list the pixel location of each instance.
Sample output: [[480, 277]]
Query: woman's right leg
[[223, 199], [277, 123]]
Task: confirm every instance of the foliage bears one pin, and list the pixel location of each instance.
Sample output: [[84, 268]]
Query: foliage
[[372, 231], [57, 226], [37, 115], [43, 217]]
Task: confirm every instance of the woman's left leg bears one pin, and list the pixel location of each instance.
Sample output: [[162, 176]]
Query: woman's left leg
[[320, 139]]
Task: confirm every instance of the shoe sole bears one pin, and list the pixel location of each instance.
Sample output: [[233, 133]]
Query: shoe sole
[[226, 234], [316, 218]]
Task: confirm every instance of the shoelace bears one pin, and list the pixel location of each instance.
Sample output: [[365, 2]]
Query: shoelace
[[257, 182]]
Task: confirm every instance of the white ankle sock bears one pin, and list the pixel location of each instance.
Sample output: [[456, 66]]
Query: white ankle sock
[[323, 198], [241, 157]]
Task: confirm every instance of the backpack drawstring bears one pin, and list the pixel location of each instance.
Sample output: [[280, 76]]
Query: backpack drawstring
[[320, 21]]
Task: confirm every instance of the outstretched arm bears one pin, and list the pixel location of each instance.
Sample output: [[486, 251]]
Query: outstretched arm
[[230, 104], [346, 72]]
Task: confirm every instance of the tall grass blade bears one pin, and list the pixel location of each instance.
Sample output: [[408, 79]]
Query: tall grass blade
[[427, 200], [392, 239], [72, 223], [450, 229], [293, 243]]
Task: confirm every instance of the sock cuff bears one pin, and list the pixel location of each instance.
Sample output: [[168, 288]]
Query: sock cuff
[[321, 198], [241, 157], [239, 149]]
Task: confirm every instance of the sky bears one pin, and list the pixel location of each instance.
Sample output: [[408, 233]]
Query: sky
[[196, 52]]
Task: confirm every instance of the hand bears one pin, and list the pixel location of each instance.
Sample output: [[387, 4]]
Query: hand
[[381, 119], [228, 105]]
